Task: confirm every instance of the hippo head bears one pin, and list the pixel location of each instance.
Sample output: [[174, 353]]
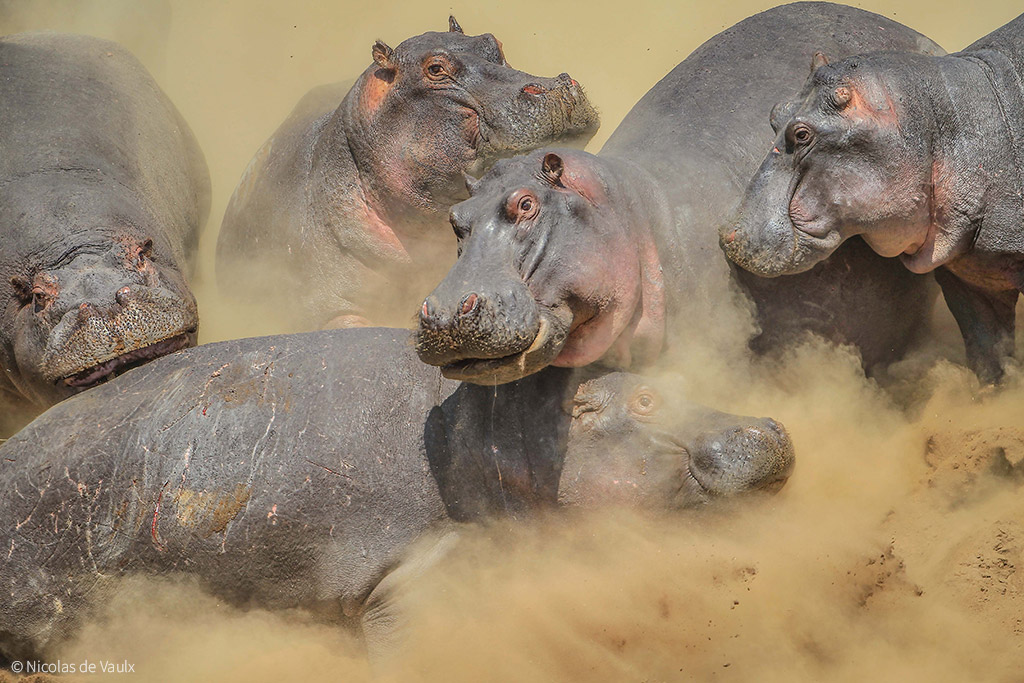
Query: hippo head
[[441, 104], [634, 441], [852, 157], [86, 312], [549, 273]]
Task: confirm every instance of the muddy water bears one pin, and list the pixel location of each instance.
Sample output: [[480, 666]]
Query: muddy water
[[895, 553]]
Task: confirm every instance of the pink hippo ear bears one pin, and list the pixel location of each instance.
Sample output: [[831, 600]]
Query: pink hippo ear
[[574, 177], [552, 168]]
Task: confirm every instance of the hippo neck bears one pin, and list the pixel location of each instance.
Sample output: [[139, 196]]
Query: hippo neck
[[641, 202], [498, 451], [977, 156], [387, 185]]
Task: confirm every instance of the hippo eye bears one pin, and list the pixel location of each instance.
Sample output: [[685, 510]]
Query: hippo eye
[[799, 134], [144, 253], [522, 206], [644, 402], [437, 70], [40, 300]]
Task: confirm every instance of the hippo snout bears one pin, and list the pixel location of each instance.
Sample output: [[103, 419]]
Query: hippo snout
[[757, 455], [477, 325]]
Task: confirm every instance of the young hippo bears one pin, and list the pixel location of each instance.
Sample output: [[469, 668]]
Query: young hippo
[[568, 258], [103, 191], [299, 470], [341, 217], [921, 156]]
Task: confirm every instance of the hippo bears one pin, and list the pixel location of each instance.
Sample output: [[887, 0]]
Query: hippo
[[922, 157], [103, 191], [569, 258], [298, 471], [346, 204]]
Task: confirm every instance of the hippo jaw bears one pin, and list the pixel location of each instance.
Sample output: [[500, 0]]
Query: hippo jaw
[[96, 317], [542, 351], [499, 358], [88, 346]]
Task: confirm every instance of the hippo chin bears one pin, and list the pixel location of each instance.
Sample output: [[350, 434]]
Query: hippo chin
[[921, 156], [568, 258], [347, 203], [103, 190], [300, 471]]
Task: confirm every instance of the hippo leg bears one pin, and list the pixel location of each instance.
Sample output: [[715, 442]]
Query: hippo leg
[[986, 320], [384, 615]]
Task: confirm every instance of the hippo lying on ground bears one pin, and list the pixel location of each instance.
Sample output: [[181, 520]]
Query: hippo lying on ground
[[298, 470], [103, 191], [921, 156], [569, 258], [347, 204]]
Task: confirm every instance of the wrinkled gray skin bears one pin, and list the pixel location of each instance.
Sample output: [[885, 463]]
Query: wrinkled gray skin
[[103, 191], [345, 207], [622, 258], [923, 157], [297, 471]]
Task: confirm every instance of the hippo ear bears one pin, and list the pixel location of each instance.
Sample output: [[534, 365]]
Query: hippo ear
[[22, 289], [818, 60], [781, 113], [471, 182], [552, 168], [383, 55], [453, 26]]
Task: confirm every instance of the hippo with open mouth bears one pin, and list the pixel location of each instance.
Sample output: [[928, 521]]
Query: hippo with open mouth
[[568, 258], [346, 205], [922, 157], [103, 190], [297, 471]]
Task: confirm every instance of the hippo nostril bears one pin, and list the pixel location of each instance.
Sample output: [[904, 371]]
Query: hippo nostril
[[122, 295], [731, 237], [533, 89], [468, 304], [85, 311], [426, 312]]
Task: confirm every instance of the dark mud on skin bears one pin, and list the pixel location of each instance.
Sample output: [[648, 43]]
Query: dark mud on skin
[[864, 566]]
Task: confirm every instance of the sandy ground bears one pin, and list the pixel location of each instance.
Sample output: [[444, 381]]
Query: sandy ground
[[893, 554]]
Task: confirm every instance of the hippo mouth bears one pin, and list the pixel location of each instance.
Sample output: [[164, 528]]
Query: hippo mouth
[[109, 369], [544, 348]]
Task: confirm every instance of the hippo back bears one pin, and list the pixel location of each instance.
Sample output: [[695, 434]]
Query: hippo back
[[702, 131], [283, 470]]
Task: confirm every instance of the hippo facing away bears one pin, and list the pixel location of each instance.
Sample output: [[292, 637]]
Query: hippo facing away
[[103, 191], [298, 470], [569, 258], [347, 204], [921, 156]]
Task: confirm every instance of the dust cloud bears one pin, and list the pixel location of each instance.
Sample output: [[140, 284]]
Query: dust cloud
[[890, 555]]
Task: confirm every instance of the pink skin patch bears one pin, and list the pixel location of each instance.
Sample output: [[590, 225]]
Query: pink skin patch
[[629, 328]]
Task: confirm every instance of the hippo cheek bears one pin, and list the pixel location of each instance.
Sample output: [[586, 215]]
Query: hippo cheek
[[551, 336]]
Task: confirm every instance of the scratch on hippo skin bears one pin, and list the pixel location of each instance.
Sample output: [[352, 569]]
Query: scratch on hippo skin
[[325, 467], [11, 551], [156, 513]]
